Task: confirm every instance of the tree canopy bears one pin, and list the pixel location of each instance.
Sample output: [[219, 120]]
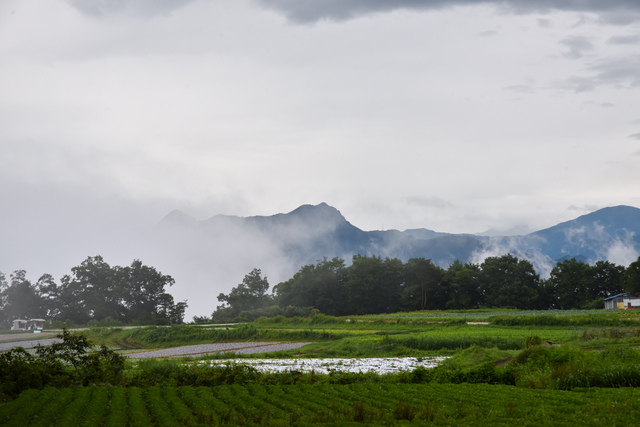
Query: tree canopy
[[94, 291], [375, 285]]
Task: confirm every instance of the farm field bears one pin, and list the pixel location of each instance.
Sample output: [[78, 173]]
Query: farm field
[[353, 404], [515, 367]]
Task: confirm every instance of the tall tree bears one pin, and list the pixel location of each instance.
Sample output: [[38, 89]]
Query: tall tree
[[96, 291], [423, 286], [249, 295], [374, 285], [143, 292], [569, 283], [49, 291], [321, 286], [509, 281], [92, 291], [606, 281], [631, 278], [21, 299], [463, 284]]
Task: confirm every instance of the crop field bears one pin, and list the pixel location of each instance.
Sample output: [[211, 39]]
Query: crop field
[[466, 368], [373, 404]]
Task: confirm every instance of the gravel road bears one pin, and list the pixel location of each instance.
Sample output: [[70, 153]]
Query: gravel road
[[202, 349], [6, 346]]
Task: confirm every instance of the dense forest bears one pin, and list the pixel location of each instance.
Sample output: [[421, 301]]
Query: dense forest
[[97, 293], [372, 285], [94, 292]]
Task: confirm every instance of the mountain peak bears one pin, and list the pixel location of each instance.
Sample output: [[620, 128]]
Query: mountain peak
[[177, 217], [322, 210]]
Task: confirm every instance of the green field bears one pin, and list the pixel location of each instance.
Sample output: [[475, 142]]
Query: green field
[[353, 404], [525, 368]]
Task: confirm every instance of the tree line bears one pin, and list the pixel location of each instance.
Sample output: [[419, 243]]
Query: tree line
[[372, 285], [93, 292]]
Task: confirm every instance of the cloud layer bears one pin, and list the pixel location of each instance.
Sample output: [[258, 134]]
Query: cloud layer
[[304, 11]]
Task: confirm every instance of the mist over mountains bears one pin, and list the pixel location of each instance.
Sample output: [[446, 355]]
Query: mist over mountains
[[214, 254]]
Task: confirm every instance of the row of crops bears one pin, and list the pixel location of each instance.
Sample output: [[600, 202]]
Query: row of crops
[[373, 403]]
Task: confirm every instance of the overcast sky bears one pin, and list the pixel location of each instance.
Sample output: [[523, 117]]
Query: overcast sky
[[457, 116]]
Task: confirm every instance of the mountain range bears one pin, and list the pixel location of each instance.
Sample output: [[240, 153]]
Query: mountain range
[[309, 233], [212, 256]]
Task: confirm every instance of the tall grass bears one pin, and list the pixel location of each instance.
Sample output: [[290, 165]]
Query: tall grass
[[601, 319], [159, 336], [456, 342]]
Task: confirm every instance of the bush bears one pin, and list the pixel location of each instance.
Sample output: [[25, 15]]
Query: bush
[[70, 362]]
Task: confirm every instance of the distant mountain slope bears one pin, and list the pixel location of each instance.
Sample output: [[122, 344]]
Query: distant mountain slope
[[211, 256], [309, 233], [590, 236]]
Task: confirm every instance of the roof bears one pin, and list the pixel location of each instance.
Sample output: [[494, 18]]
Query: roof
[[625, 294]]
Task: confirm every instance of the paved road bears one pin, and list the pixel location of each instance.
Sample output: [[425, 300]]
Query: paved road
[[21, 340], [202, 349]]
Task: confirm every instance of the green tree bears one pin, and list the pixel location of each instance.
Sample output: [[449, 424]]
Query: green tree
[[21, 299], [509, 281], [143, 293], [463, 284], [49, 291], [606, 280], [631, 278], [321, 286], [569, 283], [93, 291], [423, 288], [374, 285], [96, 291], [249, 295]]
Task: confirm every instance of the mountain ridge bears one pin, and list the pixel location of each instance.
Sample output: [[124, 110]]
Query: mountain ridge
[[312, 232], [211, 256]]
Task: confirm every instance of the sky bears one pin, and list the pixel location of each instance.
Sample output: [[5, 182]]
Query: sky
[[455, 115]]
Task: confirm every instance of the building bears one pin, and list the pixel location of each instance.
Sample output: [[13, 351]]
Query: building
[[622, 301], [35, 325], [19, 325]]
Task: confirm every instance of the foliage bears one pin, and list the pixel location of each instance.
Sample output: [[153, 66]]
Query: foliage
[[250, 295], [70, 362], [508, 281], [423, 285], [94, 292], [631, 278], [321, 286], [372, 285]]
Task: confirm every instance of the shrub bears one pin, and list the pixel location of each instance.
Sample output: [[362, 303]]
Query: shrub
[[70, 362]]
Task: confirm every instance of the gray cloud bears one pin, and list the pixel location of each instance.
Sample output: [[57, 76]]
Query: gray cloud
[[577, 45], [307, 11], [521, 88], [624, 40], [635, 136], [428, 201], [544, 23], [621, 72], [138, 8]]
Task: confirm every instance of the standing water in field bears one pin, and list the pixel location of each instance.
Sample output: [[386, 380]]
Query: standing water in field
[[385, 365]]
